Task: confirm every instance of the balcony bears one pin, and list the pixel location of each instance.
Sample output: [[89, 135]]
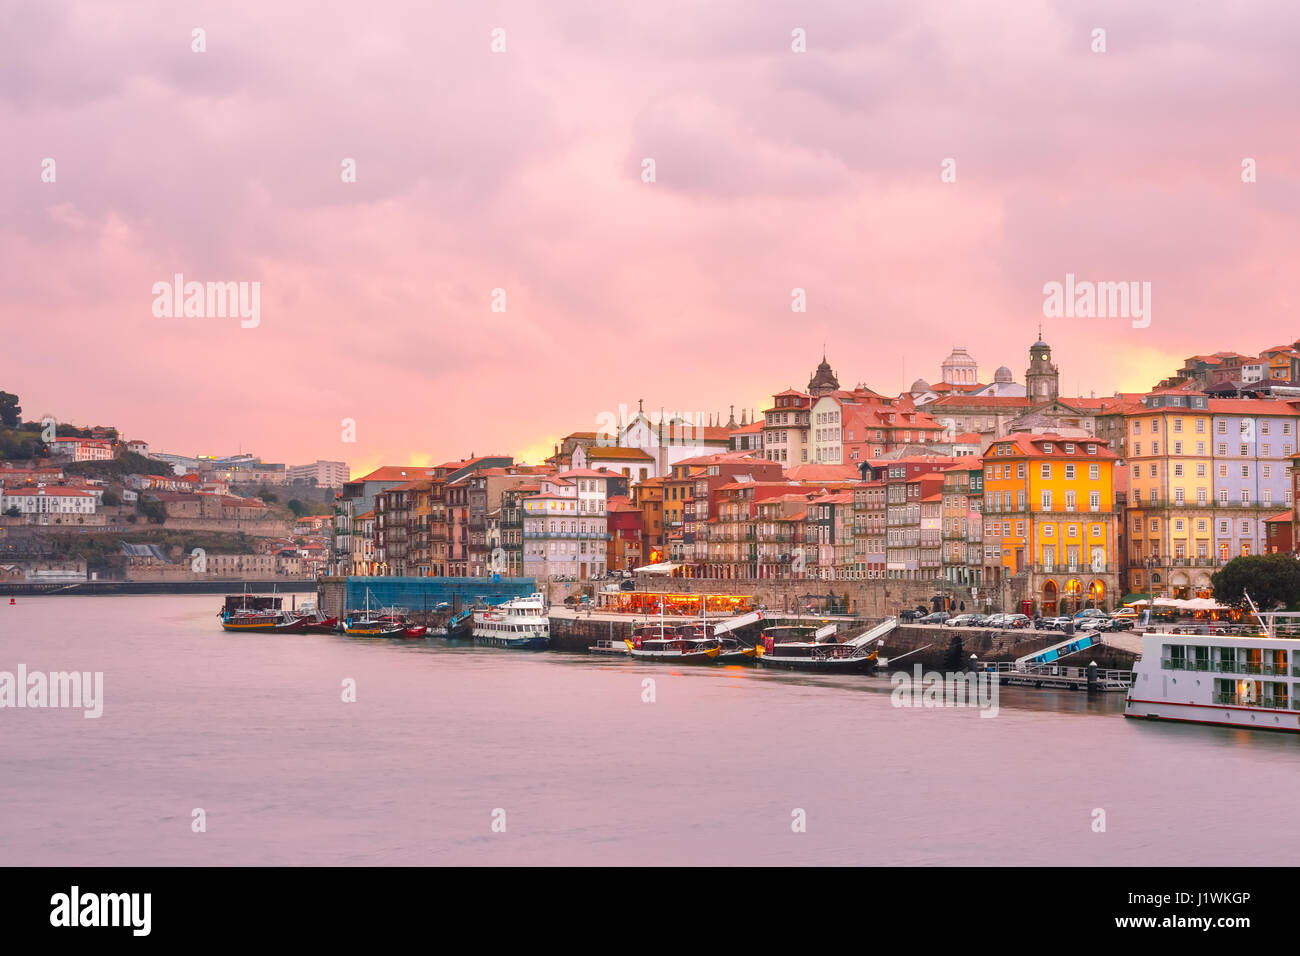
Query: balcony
[[1269, 703]]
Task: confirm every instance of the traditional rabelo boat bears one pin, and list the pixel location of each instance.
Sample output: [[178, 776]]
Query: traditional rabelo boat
[[259, 613], [677, 643], [797, 648]]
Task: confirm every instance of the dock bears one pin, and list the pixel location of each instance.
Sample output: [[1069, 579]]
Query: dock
[[1059, 676]]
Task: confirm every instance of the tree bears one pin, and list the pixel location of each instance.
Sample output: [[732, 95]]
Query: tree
[[12, 511], [297, 507], [1271, 579], [954, 659], [10, 411], [112, 499]]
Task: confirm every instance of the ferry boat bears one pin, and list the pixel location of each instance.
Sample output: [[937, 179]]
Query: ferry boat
[[1225, 680], [520, 623], [677, 643], [797, 648]]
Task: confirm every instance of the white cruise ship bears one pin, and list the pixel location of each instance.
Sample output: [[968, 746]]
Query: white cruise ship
[[520, 623], [1251, 681]]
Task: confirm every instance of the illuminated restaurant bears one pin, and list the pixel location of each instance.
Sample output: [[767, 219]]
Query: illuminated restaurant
[[684, 605]]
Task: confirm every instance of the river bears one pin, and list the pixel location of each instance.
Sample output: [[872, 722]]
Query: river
[[572, 765]]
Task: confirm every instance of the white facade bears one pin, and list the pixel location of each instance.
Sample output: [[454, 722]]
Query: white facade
[[48, 501], [328, 474], [566, 531], [82, 449]]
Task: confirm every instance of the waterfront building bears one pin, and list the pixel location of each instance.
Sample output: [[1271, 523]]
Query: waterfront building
[[1049, 522], [869, 530], [1170, 517], [648, 495], [565, 527], [624, 522], [962, 525], [1253, 443]]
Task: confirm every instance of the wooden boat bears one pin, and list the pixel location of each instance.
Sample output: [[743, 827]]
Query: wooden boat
[[796, 648], [415, 633], [327, 625], [258, 613], [368, 624], [678, 644]]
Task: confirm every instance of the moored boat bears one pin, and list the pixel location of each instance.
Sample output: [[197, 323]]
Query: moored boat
[[520, 624], [675, 643], [797, 648], [417, 632], [460, 625], [258, 613], [368, 624]]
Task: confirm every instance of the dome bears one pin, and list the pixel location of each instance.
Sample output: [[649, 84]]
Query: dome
[[919, 386], [1003, 375]]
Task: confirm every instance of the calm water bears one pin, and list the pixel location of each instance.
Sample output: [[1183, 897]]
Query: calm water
[[253, 730]]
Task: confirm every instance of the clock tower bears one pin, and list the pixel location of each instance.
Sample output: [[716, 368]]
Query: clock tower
[[1042, 380]]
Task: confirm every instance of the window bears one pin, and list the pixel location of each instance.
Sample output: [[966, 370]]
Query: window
[[1069, 472], [1047, 501], [1045, 471]]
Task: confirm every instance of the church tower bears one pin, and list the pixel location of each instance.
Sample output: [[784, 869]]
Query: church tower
[[1042, 380], [823, 380]]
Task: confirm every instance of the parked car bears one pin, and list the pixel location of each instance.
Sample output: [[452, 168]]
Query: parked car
[[938, 617], [1094, 624], [1054, 623], [995, 620], [962, 620], [627, 586], [907, 614], [1090, 612], [1123, 624]]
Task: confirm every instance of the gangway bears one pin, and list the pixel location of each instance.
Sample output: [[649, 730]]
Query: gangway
[[824, 632], [733, 623], [875, 633], [1048, 655]]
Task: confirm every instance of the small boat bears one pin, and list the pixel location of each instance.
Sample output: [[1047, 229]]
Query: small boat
[[366, 624], [679, 644], [417, 632], [797, 648], [520, 623], [460, 625], [325, 625]]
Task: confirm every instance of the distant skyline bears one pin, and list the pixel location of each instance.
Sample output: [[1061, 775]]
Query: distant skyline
[[522, 170]]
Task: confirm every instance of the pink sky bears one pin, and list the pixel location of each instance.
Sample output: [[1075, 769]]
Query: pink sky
[[521, 170]]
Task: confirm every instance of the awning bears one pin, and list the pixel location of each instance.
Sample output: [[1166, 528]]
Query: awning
[[662, 568]]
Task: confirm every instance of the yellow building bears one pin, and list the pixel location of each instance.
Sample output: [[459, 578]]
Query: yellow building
[[1170, 521], [1050, 528]]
